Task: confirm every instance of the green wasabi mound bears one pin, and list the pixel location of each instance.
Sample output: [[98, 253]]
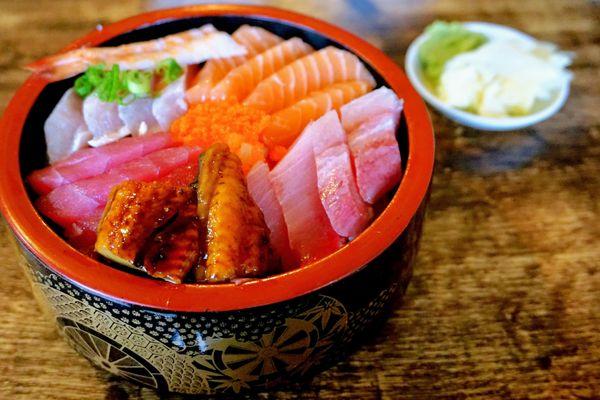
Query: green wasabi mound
[[444, 41]]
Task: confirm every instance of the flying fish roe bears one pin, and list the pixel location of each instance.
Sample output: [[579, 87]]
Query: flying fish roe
[[228, 122]]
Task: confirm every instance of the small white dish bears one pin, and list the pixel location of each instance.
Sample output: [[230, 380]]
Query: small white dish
[[545, 111]]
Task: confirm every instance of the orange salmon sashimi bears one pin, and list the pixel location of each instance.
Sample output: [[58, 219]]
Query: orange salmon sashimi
[[307, 74], [287, 124], [254, 39], [239, 82]]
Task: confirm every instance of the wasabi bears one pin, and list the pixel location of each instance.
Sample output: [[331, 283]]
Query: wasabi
[[445, 40]]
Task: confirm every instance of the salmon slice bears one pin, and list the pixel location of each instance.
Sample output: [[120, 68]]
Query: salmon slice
[[254, 39], [190, 47], [307, 74], [286, 125], [294, 179], [347, 212], [262, 192], [239, 82]]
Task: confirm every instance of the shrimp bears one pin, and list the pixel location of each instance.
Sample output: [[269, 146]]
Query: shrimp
[[190, 47]]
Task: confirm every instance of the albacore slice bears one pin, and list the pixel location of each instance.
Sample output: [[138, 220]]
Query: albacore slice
[[311, 235], [347, 211]]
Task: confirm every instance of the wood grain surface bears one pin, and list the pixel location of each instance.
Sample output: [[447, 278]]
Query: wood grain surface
[[505, 300]]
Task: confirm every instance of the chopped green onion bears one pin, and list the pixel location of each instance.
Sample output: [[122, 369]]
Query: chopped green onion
[[139, 83], [123, 87], [168, 70]]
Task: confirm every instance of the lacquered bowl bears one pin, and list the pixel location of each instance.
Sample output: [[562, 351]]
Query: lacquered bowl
[[217, 338]]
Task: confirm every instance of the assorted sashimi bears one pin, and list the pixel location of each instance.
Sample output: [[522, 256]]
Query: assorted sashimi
[[189, 47], [286, 125], [372, 121], [239, 82], [307, 74], [347, 211], [298, 148], [254, 39]]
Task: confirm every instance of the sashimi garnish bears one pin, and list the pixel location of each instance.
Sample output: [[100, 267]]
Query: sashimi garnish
[[254, 39], [347, 212], [240, 81], [307, 74], [285, 125], [190, 47]]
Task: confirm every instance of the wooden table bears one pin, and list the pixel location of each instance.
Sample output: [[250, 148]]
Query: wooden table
[[505, 300]]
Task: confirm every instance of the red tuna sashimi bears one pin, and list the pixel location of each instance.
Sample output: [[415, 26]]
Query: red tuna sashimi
[[365, 107], [347, 211], [263, 194], [376, 156], [65, 129], [82, 234], [294, 179], [76, 201], [95, 161]]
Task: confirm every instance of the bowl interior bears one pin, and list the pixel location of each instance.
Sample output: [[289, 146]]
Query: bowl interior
[[32, 149]]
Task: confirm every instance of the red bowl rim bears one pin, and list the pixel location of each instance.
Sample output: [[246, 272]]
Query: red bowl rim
[[121, 286]]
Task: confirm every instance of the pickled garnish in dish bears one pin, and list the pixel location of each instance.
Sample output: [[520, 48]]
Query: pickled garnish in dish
[[134, 211], [171, 253], [236, 234]]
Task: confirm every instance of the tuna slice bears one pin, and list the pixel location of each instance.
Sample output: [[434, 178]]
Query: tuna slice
[[82, 234], [78, 201], [376, 102], [263, 194], [138, 117], [294, 179], [65, 129], [171, 104], [91, 162], [347, 211], [371, 122]]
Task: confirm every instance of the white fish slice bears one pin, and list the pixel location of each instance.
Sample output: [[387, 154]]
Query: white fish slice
[[190, 47], [64, 128], [101, 118], [171, 103], [138, 117]]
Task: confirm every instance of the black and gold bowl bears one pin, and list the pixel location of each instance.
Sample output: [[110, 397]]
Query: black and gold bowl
[[192, 338]]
